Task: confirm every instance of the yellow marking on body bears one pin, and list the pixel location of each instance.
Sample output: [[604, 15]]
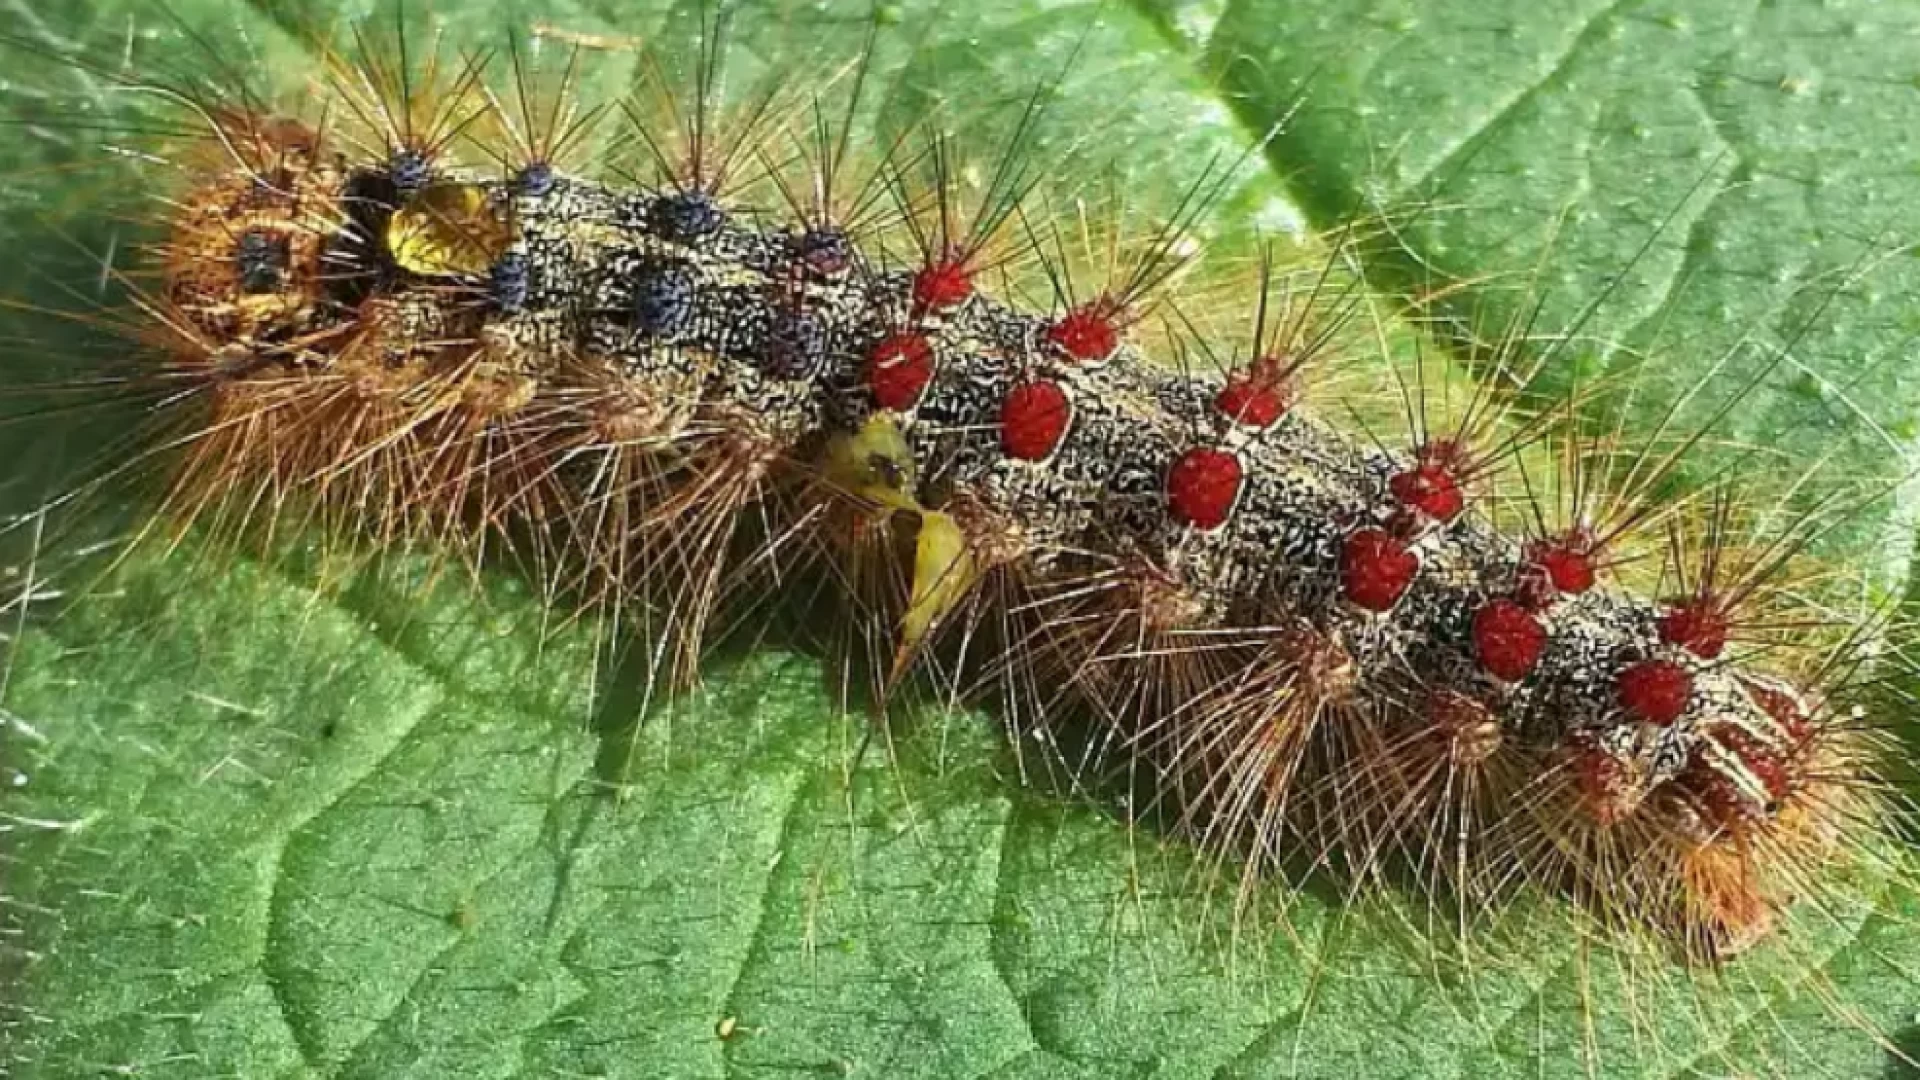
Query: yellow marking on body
[[447, 230], [874, 463]]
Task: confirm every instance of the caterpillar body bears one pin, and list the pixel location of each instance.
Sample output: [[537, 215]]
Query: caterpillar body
[[1126, 499]]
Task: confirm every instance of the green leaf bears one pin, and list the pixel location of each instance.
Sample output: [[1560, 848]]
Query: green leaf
[[1714, 178], [265, 820]]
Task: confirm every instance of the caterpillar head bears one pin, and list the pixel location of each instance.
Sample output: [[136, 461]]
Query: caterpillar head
[[245, 261]]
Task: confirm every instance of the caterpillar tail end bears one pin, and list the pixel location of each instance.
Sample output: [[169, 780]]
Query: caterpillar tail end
[[1725, 908]]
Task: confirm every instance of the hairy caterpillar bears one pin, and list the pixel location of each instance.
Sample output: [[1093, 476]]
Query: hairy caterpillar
[[677, 386]]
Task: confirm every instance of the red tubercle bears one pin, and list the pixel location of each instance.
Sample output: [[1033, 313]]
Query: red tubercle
[[1433, 485], [943, 284], [1567, 561], [1376, 568], [898, 370], [1570, 571], [1698, 626], [1430, 489], [1507, 640], [1655, 691], [1088, 333], [1202, 487], [1033, 419], [1258, 397], [1251, 404]]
